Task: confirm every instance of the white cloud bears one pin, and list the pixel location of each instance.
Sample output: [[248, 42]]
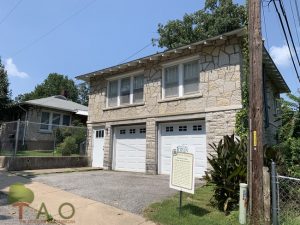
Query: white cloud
[[12, 69], [281, 55]]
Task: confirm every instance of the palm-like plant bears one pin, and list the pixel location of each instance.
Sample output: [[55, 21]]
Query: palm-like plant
[[229, 163]]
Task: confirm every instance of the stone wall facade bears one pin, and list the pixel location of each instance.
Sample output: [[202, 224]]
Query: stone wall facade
[[217, 102]]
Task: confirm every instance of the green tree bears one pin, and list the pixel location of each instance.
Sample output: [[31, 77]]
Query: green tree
[[4, 91], [83, 93], [217, 17], [54, 84]]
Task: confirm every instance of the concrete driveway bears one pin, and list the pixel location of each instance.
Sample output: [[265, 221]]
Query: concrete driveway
[[128, 191]]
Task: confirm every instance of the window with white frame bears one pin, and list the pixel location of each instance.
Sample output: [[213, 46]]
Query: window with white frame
[[181, 79], [124, 91], [50, 120]]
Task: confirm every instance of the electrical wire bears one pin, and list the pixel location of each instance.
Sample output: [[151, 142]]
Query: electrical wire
[[286, 38], [10, 12], [289, 30], [296, 30], [135, 53], [53, 29]]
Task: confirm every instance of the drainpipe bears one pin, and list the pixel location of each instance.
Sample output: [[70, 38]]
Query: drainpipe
[[25, 124]]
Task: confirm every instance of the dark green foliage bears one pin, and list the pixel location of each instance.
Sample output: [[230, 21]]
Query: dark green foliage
[[218, 16], [4, 92], [242, 123], [83, 93], [289, 134], [68, 146], [54, 84], [229, 165], [78, 134]]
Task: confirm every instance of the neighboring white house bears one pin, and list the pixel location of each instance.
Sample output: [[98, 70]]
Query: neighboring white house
[[189, 95]]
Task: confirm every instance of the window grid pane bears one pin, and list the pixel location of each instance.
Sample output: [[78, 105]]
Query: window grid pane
[[45, 120], [138, 89], [66, 120], [171, 80], [55, 119], [125, 91], [113, 93], [191, 77]]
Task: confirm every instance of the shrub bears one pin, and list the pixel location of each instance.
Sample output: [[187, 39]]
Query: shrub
[[79, 134], [68, 146], [229, 165]]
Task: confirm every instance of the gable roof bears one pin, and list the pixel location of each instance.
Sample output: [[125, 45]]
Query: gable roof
[[273, 71], [59, 102]]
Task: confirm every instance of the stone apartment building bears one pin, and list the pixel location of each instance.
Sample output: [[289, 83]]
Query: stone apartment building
[[189, 95]]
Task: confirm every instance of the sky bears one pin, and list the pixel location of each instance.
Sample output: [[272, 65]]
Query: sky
[[73, 37]]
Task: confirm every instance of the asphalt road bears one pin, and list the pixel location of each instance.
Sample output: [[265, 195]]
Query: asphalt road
[[128, 191]]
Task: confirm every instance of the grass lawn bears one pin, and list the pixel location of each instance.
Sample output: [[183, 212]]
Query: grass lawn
[[33, 153], [196, 210]]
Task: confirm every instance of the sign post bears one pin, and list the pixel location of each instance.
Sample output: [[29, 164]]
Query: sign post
[[182, 177]]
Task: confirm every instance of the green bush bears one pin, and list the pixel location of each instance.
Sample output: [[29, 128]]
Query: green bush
[[229, 165], [78, 133], [68, 146]]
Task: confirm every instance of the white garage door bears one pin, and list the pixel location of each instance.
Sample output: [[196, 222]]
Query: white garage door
[[130, 148], [189, 133]]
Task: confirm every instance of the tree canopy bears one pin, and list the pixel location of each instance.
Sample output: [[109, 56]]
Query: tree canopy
[[83, 93], [5, 95], [54, 84], [217, 17]]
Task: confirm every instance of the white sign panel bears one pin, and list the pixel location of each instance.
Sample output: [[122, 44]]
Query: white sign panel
[[182, 175]]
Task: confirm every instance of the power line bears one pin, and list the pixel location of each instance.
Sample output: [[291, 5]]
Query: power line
[[294, 22], [10, 12], [135, 53], [263, 12], [286, 38], [289, 30], [53, 28]]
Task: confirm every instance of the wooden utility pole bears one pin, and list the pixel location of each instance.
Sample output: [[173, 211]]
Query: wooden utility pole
[[256, 112]]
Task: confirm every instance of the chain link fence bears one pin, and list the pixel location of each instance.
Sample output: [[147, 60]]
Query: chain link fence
[[285, 199], [24, 138]]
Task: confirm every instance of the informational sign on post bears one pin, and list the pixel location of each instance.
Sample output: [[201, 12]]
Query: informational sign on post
[[182, 175]]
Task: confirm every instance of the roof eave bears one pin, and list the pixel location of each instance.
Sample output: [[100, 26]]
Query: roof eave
[[278, 78], [134, 63]]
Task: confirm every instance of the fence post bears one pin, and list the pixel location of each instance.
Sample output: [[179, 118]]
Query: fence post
[[17, 137], [274, 194], [266, 191]]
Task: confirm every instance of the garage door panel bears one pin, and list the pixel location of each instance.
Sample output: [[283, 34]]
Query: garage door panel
[[130, 149], [191, 133]]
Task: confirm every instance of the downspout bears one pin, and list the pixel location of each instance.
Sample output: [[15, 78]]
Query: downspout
[[25, 124]]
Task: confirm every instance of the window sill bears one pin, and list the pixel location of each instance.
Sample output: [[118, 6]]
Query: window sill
[[181, 98], [124, 106]]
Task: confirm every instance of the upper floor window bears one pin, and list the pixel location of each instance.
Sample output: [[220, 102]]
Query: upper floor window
[[181, 79], [125, 91]]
